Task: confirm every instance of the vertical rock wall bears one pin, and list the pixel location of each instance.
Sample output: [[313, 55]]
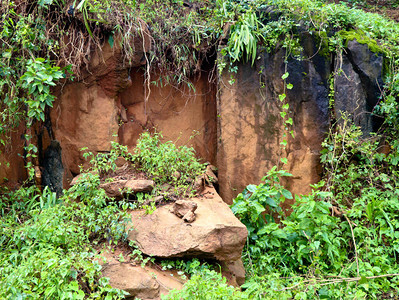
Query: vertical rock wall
[[185, 116], [12, 170], [358, 85], [250, 127], [113, 103], [237, 127]]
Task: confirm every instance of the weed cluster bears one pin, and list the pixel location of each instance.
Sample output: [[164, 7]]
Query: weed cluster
[[47, 243], [166, 163]]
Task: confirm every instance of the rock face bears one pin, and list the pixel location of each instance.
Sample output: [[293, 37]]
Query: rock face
[[216, 233], [239, 128], [92, 115], [178, 113], [250, 127], [358, 85], [12, 170], [86, 113]]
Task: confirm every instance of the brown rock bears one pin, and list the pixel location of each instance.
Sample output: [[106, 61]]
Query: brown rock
[[83, 116], [132, 279], [211, 176], [216, 233], [182, 207], [168, 280], [126, 275], [129, 133], [118, 188], [177, 113], [114, 188], [12, 164], [250, 127], [76, 179], [189, 217], [236, 268], [121, 162], [199, 184], [139, 185], [123, 115]]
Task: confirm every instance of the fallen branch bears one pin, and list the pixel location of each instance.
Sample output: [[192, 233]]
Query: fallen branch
[[354, 243], [334, 281]]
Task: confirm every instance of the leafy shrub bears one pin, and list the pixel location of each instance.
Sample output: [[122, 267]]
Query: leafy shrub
[[258, 205], [163, 161], [106, 162], [49, 254], [341, 240], [206, 285]]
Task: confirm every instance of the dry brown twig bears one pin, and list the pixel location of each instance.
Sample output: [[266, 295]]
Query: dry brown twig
[[334, 281]]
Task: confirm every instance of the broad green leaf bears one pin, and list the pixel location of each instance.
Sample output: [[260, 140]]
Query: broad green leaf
[[287, 194], [111, 41], [258, 207]]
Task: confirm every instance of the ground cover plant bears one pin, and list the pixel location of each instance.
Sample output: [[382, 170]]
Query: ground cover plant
[[48, 244], [174, 169]]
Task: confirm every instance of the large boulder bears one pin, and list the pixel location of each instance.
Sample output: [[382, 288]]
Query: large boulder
[[133, 279], [216, 233], [147, 282]]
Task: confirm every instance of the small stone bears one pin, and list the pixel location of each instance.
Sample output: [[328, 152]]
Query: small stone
[[181, 207], [114, 188], [189, 217], [139, 185]]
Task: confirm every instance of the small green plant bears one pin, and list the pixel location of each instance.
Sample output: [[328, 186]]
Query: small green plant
[[106, 162], [206, 285], [37, 80], [167, 163], [259, 205]]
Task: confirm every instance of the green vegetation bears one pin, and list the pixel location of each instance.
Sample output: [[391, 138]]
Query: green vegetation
[[165, 162], [168, 165], [47, 244]]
